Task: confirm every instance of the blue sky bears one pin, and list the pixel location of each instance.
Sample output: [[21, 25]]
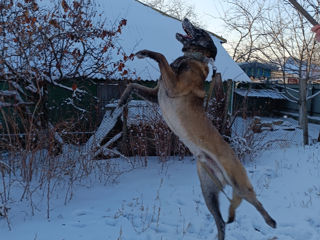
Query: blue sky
[[210, 12]]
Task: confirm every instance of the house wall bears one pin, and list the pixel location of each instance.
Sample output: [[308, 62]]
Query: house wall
[[61, 102], [257, 72], [253, 106]]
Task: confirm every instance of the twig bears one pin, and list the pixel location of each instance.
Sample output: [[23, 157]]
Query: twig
[[5, 165]]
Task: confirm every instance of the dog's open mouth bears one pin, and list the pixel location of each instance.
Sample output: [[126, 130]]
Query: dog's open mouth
[[187, 35], [184, 35], [186, 27]]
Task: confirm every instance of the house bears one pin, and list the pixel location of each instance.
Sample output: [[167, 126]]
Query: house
[[258, 72], [278, 76], [293, 68], [148, 28]]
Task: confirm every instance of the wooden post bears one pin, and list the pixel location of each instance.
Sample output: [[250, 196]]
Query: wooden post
[[212, 85], [226, 108], [220, 104], [312, 101], [218, 88], [232, 98], [228, 96], [303, 114]]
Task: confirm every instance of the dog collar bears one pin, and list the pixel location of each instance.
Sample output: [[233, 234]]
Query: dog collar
[[197, 56]]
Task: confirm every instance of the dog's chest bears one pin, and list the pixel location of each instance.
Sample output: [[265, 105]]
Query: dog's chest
[[170, 108]]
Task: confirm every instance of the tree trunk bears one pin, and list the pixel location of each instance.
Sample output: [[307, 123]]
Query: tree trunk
[[303, 113]]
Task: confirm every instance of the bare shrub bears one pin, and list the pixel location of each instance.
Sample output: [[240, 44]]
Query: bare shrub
[[45, 48], [42, 48], [215, 113], [149, 135], [41, 172], [251, 136], [245, 142]]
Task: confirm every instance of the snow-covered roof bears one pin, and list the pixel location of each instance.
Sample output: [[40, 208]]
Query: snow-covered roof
[[260, 93], [152, 30]]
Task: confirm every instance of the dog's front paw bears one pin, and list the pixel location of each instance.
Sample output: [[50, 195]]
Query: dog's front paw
[[142, 54]]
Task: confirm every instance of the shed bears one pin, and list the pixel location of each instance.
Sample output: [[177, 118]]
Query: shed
[[263, 102]]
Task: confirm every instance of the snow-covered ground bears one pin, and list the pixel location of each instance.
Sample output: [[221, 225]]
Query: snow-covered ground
[[163, 201]]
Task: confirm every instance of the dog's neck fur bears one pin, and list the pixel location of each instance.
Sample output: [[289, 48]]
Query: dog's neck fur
[[202, 58], [197, 56]]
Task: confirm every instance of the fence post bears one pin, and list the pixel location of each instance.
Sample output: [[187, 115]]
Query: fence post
[[124, 141], [226, 107], [312, 101]]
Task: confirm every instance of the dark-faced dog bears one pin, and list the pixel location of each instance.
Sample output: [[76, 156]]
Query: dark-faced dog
[[180, 95]]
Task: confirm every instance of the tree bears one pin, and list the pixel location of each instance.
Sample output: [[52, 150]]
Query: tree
[[283, 38], [42, 46], [242, 18], [175, 8]]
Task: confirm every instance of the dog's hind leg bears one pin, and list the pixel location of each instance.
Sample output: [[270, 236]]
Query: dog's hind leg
[[211, 196], [234, 203], [251, 198]]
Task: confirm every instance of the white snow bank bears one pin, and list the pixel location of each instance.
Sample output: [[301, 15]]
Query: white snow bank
[[160, 202]]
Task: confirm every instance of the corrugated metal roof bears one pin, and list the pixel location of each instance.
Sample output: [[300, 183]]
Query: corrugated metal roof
[[260, 93]]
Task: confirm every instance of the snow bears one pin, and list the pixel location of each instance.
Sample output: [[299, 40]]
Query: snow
[[296, 115], [164, 201], [260, 93], [149, 29]]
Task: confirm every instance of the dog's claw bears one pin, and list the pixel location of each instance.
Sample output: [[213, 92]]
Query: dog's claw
[[272, 223]]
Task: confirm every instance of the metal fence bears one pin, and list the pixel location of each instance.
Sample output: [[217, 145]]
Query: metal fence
[[313, 105]]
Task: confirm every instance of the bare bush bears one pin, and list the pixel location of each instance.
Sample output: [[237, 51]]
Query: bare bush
[[41, 48], [29, 174], [46, 47], [149, 135]]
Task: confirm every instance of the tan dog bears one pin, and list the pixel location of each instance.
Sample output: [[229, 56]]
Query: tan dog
[[180, 96]]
